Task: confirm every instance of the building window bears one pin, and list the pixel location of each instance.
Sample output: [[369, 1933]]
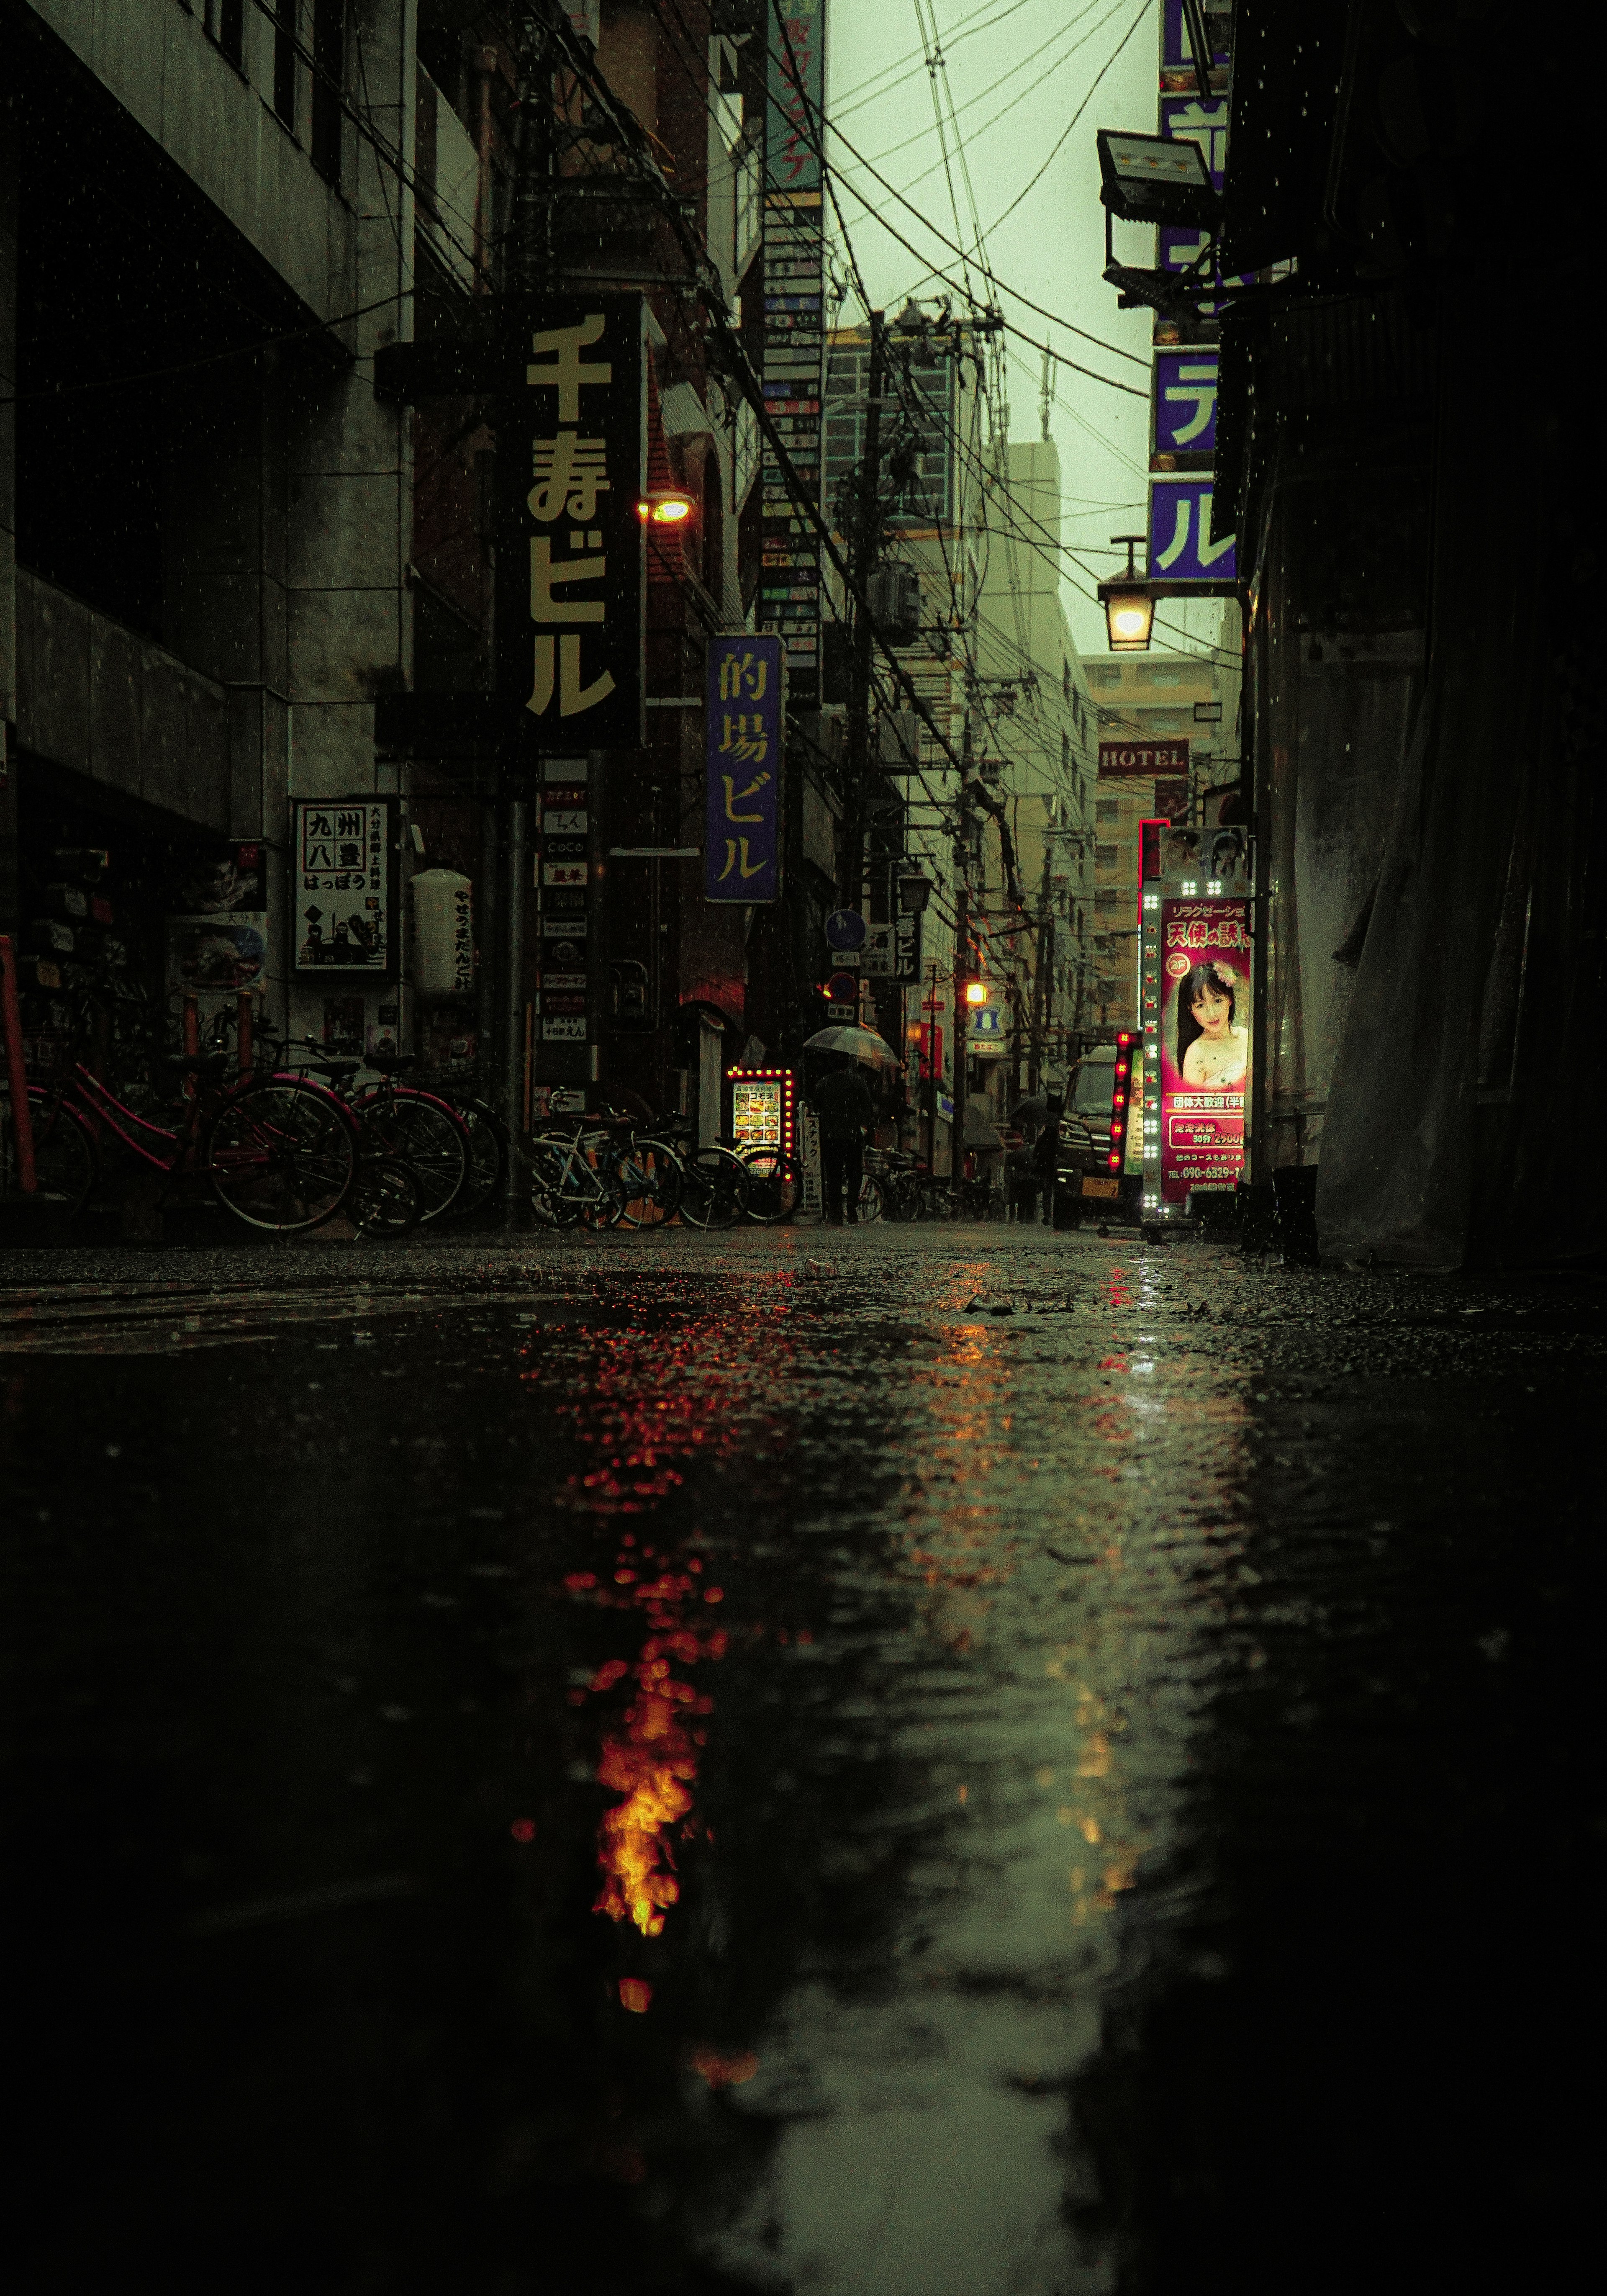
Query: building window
[[1065, 753], [329, 86], [1107, 808], [225, 21], [1106, 856], [747, 451], [750, 169], [284, 61]]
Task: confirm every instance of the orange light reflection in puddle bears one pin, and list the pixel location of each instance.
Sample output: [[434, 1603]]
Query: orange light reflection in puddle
[[650, 1412]]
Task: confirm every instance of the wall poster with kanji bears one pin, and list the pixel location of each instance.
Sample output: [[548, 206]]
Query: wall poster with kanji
[[344, 897]]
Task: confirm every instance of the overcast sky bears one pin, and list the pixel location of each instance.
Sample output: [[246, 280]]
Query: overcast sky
[[1016, 71]]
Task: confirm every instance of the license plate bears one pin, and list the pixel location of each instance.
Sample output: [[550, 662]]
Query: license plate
[[1102, 1188]]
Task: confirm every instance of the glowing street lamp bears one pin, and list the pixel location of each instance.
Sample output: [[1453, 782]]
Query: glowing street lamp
[[1130, 605], [976, 992], [665, 506]]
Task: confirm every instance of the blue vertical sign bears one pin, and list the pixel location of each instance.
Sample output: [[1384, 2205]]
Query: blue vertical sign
[[1185, 401], [1181, 549], [742, 734]]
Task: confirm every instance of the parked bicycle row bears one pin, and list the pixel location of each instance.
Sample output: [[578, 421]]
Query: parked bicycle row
[[305, 1134]]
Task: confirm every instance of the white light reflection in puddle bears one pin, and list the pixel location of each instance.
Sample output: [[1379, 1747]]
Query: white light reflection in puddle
[[1064, 1545]]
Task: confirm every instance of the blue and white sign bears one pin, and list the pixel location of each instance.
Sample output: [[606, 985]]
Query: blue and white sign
[[1185, 401], [986, 1034], [1175, 46], [1181, 549], [742, 730], [1188, 121], [845, 928]]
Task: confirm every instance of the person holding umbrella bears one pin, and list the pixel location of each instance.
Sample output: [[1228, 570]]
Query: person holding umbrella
[[846, 1108]]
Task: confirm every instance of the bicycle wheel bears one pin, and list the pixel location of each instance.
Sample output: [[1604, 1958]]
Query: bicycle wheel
[[604, 1205], [551, 1199], [399, 1120], [280, 1154], [869, 1207], [653, 1182], [717, 1188], [774, 1186], [65, 1161], [487, 1157], [385, 1198]]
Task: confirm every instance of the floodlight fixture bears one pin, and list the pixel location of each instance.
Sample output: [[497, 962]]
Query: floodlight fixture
[[1157, 179]]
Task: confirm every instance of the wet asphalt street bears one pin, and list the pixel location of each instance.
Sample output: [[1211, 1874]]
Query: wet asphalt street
[[930, 1762]]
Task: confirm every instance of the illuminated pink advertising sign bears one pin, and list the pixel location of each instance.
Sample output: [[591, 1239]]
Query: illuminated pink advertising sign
[[1205, 953]]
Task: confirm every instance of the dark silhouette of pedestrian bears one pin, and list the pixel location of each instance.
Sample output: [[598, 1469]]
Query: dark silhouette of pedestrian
[[1045, 1157], [843, 1103]]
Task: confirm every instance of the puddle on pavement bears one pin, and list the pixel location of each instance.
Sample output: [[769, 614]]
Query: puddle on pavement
[[718, 1784]]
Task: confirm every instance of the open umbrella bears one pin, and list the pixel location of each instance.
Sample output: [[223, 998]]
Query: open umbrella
[[1033, 1109], [858, 1043]]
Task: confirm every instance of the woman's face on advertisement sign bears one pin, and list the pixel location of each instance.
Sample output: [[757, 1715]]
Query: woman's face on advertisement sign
[[1210, 1009]]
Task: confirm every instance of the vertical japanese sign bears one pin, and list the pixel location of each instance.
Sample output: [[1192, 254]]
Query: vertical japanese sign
[[743, 720], [345, 862], [1180, 528], [797, 86], [1204, 1040], [571, 598], [1185, 407], [794, 274], [1183, 426], [562, 900]]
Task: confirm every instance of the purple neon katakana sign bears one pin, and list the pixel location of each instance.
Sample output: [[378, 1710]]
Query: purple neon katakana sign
[[1181, 549], [1185, 401], [743, 720]]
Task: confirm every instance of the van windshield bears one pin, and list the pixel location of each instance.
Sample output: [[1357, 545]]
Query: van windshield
[[1095, 1079]]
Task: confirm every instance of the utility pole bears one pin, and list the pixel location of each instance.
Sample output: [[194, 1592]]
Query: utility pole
[[956, 1158], [1043, 974], [866, 544]]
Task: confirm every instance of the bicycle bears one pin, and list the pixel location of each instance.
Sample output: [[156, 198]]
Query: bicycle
[[775, 1185], [488, 1141], [278, 1151], [385, 1197], [401, 1121], [570, 1183], [719, 1184]]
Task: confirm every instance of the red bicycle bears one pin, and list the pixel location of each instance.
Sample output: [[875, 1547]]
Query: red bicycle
[[278, 1151]]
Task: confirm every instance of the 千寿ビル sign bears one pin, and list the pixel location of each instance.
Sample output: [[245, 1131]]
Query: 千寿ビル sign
[[571, 450]]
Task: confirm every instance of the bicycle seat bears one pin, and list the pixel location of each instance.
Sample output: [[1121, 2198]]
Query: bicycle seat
[[342, 1070], [389, 1063], [207, 1064]]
